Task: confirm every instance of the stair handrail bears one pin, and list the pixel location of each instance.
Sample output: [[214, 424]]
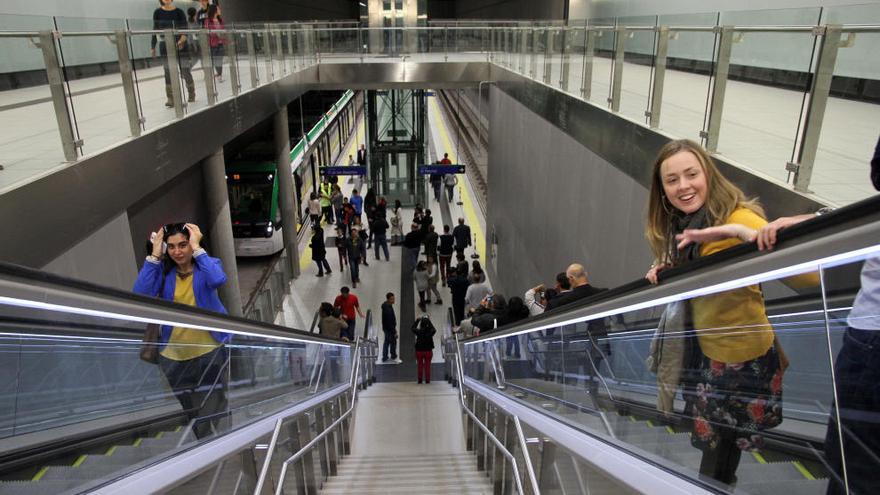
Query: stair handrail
[[264, 471], [356, 365], [530, 470]]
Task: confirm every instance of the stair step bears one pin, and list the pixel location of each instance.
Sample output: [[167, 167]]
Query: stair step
[[370, 478], [412, 463], [411, 486], [36, 487], [487, 490], [387, 458]]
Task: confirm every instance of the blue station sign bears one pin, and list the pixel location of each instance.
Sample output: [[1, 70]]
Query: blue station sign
[[440, 169], [343, 170]]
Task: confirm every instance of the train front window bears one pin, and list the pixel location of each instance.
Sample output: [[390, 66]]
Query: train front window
[[250, 196]]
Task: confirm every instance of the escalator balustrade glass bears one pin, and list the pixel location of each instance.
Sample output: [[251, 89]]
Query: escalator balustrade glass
[[738, 384]]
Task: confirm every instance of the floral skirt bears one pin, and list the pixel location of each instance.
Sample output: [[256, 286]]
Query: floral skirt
[[743, 397]]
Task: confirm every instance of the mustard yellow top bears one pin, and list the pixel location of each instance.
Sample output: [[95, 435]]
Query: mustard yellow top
[[732, 326], [187, 343]]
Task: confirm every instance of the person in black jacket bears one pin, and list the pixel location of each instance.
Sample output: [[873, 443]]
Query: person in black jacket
[[580, 287], [462, 235], [458, 284], [389, 328], [379, 229], [412, 242], [319, 251], [167, 16], [445, 254], [424, 331]]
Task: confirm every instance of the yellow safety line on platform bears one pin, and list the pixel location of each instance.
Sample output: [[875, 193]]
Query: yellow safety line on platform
[[649, 423], [159, 435], [179, 427], [80, 460], [670, 430], [758, 457], [40, 473], [305, 258], [803, 470], [467, 206], [110, 451], [137, 442]]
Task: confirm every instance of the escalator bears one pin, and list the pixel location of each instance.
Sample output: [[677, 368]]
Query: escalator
[[599, 383]]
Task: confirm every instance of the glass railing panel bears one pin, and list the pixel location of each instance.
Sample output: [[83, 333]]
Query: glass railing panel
[[66, 370], [741, 367], [602, 67], [91, 69], [637, 70], [149, 75], [31, 144], [854, 327], [686, 87], [765, 93], [849, 128]]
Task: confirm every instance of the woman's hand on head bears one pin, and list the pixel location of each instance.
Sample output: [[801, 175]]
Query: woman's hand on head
[[711, 234], [654, 272], [195, 236], [158, 238]]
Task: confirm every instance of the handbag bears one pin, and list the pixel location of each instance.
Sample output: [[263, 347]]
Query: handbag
[[150, 345]]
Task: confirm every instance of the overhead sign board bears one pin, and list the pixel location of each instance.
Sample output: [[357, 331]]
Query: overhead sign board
[[344, 170], [440, 169]]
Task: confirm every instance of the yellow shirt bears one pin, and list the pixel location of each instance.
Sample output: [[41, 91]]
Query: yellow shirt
[[732, 326], [187, 343]]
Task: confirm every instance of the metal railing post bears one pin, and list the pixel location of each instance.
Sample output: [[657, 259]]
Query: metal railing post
[[533, 61], [270, 60], [445, 44], [232, 53], [565, 56], [811, 130], [653, 113], [279, 43], [549, 38], [617, 80], [208, 68], [290, 51], [135, 121], [523, 50], [252, 58], [587, 74], [719, 86], [55, 77]]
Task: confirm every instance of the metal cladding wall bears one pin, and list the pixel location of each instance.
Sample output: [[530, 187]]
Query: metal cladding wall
[[568, 182], [510, 9], [288, 10]]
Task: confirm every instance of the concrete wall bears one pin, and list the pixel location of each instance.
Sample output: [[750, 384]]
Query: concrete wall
[[568, 182], [284, 10], [510, 9], [622, 8], [106, 257], [553, 202]]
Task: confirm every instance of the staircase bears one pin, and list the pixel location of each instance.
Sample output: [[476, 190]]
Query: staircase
[[432, 474]]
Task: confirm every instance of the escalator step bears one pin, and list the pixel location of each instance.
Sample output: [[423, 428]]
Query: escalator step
[[35, 487], [800, 487]]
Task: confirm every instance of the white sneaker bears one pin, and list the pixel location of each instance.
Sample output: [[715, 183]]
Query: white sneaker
[[220, 78]]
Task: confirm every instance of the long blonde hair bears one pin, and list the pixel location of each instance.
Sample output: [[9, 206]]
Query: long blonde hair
[[722, 197]]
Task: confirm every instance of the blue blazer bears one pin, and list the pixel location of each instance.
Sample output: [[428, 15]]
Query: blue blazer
[[208, 275]]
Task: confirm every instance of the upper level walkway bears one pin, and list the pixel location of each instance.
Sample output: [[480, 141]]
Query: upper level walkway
[[105, 90]]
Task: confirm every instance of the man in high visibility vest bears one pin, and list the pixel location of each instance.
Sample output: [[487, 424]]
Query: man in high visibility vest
[[326, 191]]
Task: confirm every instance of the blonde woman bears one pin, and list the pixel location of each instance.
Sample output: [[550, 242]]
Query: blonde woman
[[736, 386]]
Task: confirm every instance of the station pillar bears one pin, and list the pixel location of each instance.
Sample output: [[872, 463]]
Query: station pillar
[[219, 228], [286, 192]]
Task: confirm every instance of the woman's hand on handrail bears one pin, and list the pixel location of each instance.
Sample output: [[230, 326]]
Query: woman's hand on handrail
[[654, 272]]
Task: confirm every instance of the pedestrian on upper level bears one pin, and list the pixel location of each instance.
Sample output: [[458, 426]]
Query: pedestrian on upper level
[[396, 223], [340, 249], [354, 248], [580, 287], [330, 325], [378, 230], [446, 160], [450, 181], [217, 42], [324, 193], [319, 251], [431, 239], [357, 201], [412, 243], [458, 285], [437, 185], [167, 16], [314, 207]]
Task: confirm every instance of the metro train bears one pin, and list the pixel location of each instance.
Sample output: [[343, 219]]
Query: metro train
[[252, 182]]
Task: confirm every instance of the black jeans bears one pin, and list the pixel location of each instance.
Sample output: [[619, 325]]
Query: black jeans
[[857, 370], [323, 265], [184, 63], [381, 241], [200, 386], [389, 346]]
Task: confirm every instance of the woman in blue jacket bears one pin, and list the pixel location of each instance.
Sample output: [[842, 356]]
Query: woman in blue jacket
[[194, 361]]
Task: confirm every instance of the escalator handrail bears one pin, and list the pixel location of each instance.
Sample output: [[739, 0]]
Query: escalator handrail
[[32, 288], [848, 229]]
